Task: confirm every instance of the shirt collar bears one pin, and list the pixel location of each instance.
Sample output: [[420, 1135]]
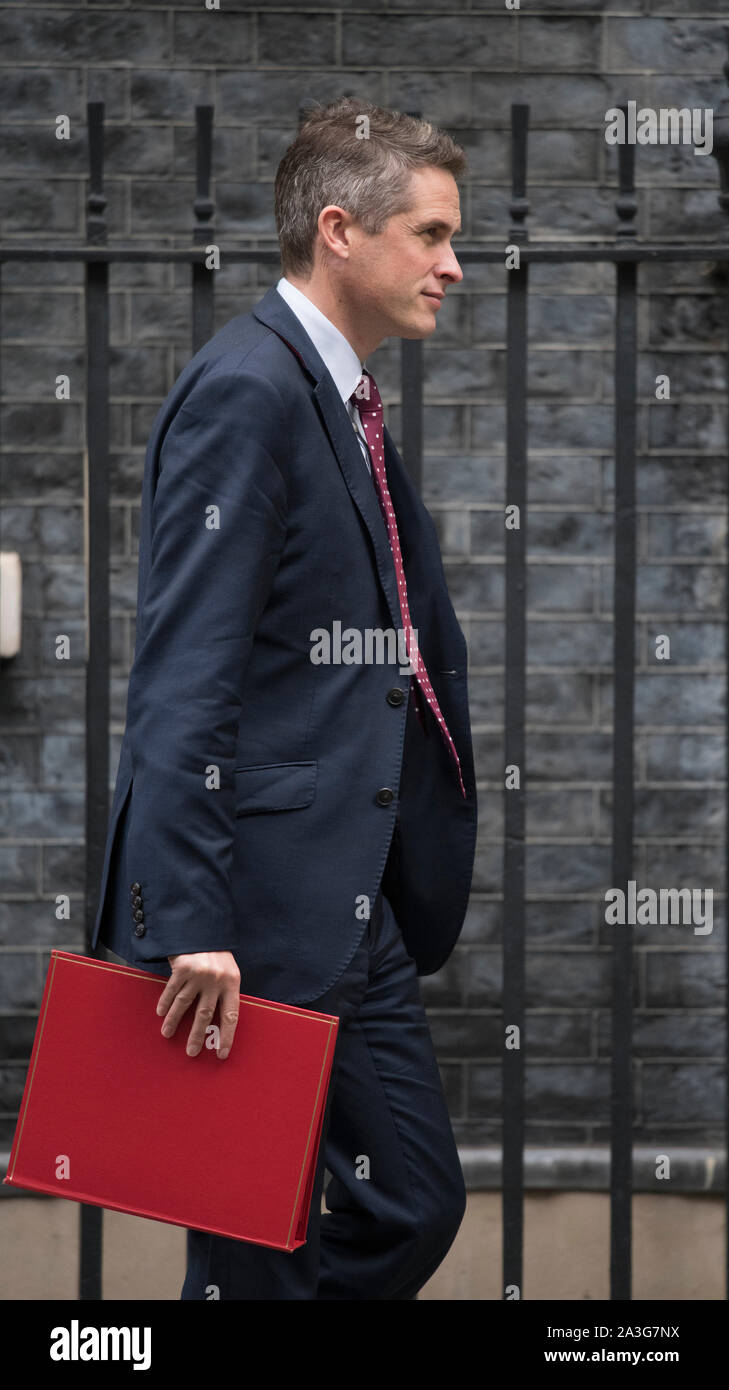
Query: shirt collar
[[337, 354]]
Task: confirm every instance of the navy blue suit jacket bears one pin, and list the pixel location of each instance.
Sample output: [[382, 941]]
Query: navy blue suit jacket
[[246, 814]]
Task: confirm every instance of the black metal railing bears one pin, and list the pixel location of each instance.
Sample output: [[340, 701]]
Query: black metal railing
[[626, 255]]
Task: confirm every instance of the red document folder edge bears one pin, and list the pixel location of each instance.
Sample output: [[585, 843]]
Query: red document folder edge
[[117, 1116]]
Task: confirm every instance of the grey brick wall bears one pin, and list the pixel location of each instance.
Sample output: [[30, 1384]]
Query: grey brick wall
[[462, 65]]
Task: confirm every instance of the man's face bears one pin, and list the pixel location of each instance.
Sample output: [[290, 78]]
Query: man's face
[[391, 278]]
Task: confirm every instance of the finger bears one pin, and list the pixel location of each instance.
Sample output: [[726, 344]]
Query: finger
[[229, 1009], [185, 997], [170, 991], [204, 1014]]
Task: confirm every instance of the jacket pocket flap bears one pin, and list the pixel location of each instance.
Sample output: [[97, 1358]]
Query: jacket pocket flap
[[274, 787]]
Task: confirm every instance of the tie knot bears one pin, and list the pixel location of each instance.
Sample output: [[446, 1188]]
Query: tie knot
[[365, 396]]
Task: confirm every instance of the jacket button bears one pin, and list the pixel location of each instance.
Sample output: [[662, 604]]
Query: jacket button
[[137, 902], [138, 915], [395, 696], [139, 930], [384, 796], [136, 887]]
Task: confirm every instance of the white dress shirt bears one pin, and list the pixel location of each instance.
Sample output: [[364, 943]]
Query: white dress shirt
[[337, 354]]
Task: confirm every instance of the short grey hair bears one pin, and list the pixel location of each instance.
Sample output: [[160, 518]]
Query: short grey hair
[[329, 163]]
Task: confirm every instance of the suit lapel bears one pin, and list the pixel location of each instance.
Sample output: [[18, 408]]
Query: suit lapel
[[276, 314]]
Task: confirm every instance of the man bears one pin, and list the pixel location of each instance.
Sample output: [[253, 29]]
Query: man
[[296, 827]]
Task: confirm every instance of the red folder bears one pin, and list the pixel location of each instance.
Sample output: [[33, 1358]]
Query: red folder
[[115, 1115]]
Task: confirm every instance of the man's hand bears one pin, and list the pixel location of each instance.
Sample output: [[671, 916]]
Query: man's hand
[[210, 977]]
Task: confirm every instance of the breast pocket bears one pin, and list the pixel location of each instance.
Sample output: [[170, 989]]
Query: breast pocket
[[274, 787]]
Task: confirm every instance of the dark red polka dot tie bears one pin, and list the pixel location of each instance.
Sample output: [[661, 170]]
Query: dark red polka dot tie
[[366, 398]]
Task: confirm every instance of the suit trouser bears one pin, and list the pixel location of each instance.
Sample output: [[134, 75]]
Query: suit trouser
[[396, 1196]]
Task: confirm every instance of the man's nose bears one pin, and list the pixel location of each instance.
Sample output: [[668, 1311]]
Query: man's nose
[[450, 267]]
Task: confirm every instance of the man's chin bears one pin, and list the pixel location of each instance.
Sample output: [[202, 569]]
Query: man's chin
[[422, 327]]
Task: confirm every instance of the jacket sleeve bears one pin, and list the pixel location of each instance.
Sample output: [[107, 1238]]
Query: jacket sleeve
[[218, 526]]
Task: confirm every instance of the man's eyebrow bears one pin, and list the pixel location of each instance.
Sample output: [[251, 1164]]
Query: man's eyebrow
[[442, 226]]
